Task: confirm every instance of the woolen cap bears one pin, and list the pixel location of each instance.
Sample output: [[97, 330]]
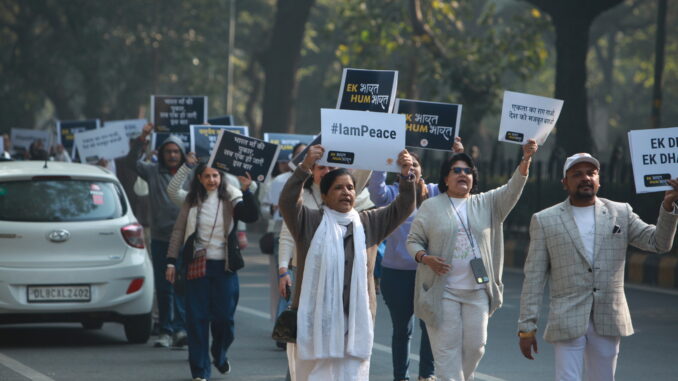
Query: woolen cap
[[579, 158]]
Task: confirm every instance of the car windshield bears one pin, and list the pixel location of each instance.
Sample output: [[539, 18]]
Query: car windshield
[[60, 200]]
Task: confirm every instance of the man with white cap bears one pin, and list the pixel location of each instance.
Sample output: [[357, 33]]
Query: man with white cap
[[580, 244]]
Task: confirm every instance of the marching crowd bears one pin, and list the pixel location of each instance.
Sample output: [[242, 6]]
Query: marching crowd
[[435, 250]]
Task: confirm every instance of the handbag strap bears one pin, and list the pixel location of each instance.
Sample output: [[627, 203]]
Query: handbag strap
[[214, 224]]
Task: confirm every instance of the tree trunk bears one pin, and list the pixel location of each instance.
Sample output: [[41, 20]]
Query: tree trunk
[[659, 64], [572, 42], [280, 62]]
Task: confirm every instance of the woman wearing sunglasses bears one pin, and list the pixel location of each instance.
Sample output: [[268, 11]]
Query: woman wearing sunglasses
[[457, 239]]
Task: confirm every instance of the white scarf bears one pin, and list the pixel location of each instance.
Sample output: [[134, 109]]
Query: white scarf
[[321, 322]]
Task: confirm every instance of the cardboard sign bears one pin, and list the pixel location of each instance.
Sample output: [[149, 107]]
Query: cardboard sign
[[430, 125], [286, 143], [204, 138], [525, 116], [363, 140], [175, 113], [66, 130], [102, 143], [237, 154], [654, 157], [157, 138], [22, 138], [367, 90], [226, 120], [131, 127]]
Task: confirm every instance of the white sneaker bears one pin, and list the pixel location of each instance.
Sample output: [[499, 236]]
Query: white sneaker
[[199, 379], [163, 341], [431, 378], [179, 340]]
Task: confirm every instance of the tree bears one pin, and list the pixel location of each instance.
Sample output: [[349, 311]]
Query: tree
[[281, 61], [572, 21]]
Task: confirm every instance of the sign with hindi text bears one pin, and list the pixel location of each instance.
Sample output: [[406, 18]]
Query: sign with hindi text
[[204, 138], [66, 130], [526, 116], [175, 113], [654, 157], [286, 143], [367, 90], [226, 120], [238, 154], [430, 125], [131, 127], [101, 143], [363, 140], [22, 138]]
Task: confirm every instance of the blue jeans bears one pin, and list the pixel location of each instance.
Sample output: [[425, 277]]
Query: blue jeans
[[171, 311], [282, 302], [397, 287], [210, 306]]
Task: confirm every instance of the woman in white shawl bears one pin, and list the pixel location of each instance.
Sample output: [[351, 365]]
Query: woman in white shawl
[[334, 293]]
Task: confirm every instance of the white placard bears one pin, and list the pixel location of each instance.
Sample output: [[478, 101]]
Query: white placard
[[102, 143], [23, 138], [526, 116], [363, 140], [654, 156], [131, 127]]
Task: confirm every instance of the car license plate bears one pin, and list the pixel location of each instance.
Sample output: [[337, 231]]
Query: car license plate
[[52, 294]]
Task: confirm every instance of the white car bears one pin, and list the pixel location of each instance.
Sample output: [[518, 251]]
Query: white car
[[71, 249]]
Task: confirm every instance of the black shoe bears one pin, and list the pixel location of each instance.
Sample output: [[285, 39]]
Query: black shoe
[[281, 344], [223, 369]]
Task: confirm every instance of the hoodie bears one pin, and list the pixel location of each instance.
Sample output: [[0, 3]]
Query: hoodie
[[163, 212]]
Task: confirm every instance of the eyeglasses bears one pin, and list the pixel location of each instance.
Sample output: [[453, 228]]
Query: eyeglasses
[[459, 170]]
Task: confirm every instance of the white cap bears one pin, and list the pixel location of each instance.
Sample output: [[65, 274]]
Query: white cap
[[579, 158]]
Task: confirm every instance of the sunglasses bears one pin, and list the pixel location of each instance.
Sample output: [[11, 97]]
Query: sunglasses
[[459, 170]]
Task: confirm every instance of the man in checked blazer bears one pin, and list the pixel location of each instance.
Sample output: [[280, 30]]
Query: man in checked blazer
[[580, 244]]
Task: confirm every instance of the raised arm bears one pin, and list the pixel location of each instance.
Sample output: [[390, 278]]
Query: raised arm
[[383, 221], [505, 197], [380, 193], [175, 190], [291, 203], [134, 159]]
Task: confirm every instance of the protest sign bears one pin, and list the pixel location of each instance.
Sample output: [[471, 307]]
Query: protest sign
[[525, 116], [203, 138], [286, 143], [103, 143], [226, 120], [2, 144], [131, 127], [654, 157], [157, 138], [430, 125], [174, 113], [238, 154], [66, 130], [301, 155], [363, 140], [367, 90], [22, 138]]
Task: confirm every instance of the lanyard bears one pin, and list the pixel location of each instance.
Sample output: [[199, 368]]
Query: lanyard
[[466, 230]]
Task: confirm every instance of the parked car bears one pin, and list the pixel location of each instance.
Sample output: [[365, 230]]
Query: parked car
[[71, 249]]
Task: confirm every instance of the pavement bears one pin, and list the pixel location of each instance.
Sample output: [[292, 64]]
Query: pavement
[[64, 352]]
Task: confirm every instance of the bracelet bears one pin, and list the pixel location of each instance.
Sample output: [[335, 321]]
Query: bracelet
[[170, 266], [527, 335], [420, 258], [286, 273]]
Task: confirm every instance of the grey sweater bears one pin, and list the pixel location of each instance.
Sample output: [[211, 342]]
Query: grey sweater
[[378, 224]]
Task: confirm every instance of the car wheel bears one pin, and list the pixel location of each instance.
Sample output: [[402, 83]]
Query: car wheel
[[138, 328], [92, 324]]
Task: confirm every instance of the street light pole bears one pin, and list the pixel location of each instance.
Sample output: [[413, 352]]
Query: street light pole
[[229, 74]]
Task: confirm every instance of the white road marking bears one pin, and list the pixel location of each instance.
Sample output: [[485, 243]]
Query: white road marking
[[22, 369], [376, 346]]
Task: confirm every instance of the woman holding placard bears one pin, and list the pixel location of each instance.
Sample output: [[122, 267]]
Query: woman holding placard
[[334, 295], [206, 227], [457, 240]]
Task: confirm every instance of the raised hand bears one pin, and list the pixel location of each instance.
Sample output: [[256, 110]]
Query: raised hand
[[457, 147], [313, 154]]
